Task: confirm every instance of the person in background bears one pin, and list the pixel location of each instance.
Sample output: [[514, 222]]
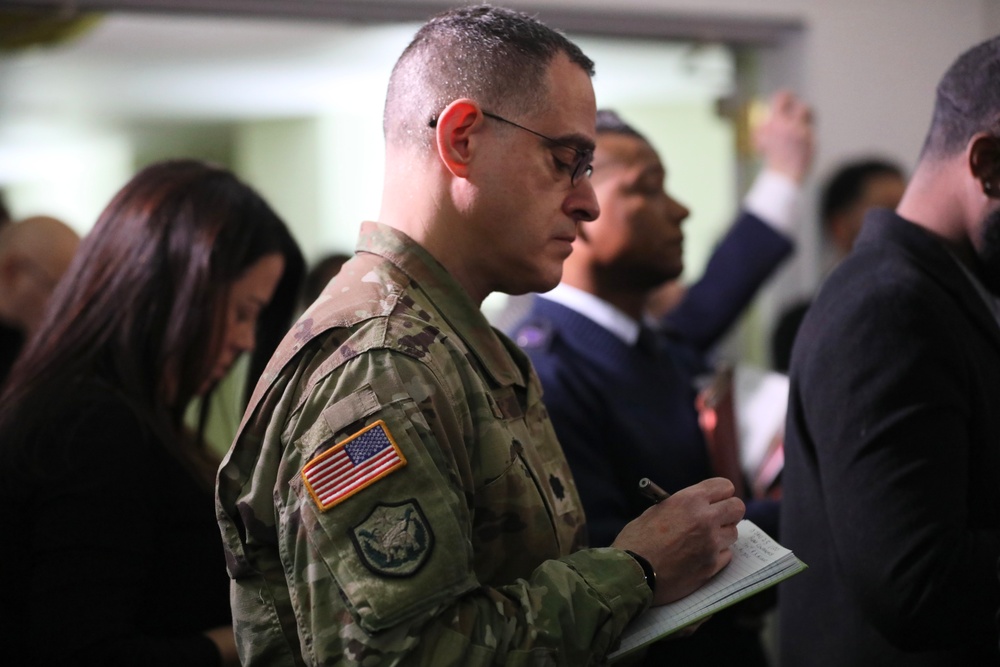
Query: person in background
[[891, 490], [34, 254], [848, 194], [5, 217], [757, 243], [397, 494], [105, 498], [620, 395], [222, 411]]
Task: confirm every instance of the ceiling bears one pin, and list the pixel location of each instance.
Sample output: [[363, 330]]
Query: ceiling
[[150, 66]]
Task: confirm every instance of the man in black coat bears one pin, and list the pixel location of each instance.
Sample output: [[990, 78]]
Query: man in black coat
[[892, 475]]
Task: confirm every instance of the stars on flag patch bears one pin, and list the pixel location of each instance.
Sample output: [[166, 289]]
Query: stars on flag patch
[[351, 465]]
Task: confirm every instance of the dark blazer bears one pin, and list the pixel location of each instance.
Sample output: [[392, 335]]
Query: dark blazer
[[113, 550], [892, 462], [621, 415], [625, 412]]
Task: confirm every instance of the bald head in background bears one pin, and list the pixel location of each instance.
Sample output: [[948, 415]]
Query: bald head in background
[[34, 254]]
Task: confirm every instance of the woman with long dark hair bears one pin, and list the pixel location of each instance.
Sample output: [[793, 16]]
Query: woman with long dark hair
[[112, 554]]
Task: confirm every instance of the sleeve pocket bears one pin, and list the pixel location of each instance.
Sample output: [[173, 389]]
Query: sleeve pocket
[[399, 547]]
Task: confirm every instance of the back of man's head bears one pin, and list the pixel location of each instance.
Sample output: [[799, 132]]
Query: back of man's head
[[495, 56], [846, 187], [967, 101], [850, 191], [34, 254]]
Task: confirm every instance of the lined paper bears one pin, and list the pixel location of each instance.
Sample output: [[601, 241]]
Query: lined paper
[[758, 563]]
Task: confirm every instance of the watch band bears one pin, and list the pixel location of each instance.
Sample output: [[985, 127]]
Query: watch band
[[647, 569]]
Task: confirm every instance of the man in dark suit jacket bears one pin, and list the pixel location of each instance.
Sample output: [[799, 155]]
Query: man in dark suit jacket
[[622, 399], [892, 469], [846, 196]]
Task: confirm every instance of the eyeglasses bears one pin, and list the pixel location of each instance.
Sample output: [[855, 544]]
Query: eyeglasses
[[582, 165]]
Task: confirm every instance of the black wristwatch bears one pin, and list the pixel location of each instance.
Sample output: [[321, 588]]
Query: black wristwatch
[[647, 569]]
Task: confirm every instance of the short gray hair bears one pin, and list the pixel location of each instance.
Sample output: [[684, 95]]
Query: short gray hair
[[495, 56]]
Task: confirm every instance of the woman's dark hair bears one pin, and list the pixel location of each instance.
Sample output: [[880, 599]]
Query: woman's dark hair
[[142, 306]]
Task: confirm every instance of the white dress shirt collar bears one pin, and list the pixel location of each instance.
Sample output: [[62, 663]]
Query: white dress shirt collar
[[599, 311]]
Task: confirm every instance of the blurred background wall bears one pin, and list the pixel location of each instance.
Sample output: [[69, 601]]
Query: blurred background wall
[[288, 93]]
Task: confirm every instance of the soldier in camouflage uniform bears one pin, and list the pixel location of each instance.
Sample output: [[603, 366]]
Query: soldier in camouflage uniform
[[396, 494]]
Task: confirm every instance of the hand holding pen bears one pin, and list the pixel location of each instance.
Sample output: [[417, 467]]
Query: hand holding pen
[[684, 536]]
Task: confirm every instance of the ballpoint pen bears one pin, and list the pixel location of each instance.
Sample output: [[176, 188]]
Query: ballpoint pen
[[651, 490]]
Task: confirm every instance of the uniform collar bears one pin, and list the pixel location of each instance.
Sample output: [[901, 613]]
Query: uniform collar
[[501, 359]]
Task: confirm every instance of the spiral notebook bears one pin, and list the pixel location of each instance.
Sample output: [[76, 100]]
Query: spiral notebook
[[758, 563]]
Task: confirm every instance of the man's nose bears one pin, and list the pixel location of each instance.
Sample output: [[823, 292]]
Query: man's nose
[[582, 204]]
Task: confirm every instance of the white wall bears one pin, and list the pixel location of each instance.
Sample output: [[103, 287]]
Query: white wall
[[350, 174], [322, 175], [280, 159], [67, 171]]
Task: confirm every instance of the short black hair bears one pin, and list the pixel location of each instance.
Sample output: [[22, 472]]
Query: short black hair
[[847, 185], [609, 122], [967, 101], [493, 55]]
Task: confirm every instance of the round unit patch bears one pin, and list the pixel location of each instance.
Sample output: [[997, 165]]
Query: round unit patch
[[395, 540]]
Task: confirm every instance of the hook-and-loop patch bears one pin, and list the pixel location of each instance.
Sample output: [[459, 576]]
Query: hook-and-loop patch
[[351, 465]]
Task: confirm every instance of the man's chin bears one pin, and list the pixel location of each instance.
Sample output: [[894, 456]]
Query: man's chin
[[539, 282], [668, 275]]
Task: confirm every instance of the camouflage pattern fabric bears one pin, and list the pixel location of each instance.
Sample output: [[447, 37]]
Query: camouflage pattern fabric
[[468, 553]]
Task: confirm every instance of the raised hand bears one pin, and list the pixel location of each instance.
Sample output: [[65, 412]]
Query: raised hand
[[785, 139]]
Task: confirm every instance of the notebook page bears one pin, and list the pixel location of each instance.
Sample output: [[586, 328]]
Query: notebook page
[[756, 564]]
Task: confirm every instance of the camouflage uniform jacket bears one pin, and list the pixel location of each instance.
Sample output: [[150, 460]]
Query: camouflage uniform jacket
[[462, 546]]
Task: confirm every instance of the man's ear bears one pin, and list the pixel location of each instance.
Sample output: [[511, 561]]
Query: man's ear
[[454, 134], [984, 163]]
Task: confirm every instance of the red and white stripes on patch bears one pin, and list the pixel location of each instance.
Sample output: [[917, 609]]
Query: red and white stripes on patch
[[352, 464]]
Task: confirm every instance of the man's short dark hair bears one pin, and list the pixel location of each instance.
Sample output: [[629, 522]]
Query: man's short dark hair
[[493, 55], [609, 122], [847, 185], [967, 101]]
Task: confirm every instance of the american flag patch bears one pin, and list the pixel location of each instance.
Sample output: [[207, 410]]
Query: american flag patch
[[352, 464]]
